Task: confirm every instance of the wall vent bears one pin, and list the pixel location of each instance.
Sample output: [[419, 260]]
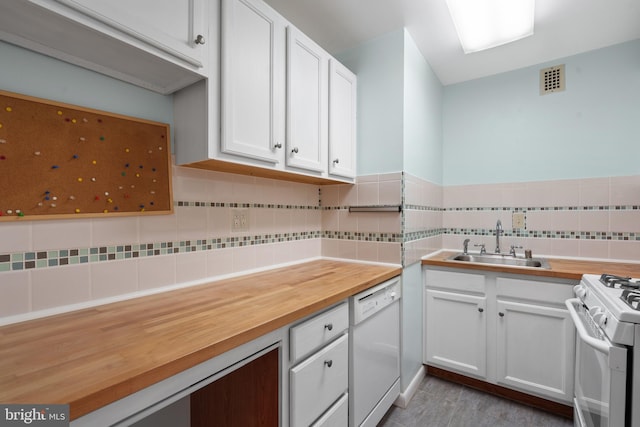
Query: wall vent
[[552, 79]]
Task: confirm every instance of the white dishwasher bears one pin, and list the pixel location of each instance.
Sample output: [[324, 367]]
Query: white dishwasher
[[374, 371]]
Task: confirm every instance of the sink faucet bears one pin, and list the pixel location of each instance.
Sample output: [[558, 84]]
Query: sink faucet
[[465, 246], [499, 230]]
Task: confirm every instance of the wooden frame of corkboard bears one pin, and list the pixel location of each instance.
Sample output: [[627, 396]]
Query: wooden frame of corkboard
[[64, 161]]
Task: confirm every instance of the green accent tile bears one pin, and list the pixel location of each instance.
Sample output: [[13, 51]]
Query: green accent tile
[[41, 263], [94, 258], [52, 254], [83, 252], [17, 257], [74, 260], [5, 266]]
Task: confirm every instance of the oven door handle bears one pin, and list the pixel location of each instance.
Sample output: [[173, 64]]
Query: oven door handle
[[601, 346]]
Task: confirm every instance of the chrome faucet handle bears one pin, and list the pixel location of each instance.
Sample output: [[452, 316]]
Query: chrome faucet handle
[[465, 246], [512, 252], [483, 250]]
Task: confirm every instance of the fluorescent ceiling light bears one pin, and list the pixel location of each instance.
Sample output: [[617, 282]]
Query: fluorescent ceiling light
[[483, 24]]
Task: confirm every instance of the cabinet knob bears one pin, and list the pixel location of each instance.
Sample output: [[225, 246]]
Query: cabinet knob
[[328, 363], [295, 150], [501, 314], [328, 326], [277, 145], [199, 39], [336, 161], [480, 309]]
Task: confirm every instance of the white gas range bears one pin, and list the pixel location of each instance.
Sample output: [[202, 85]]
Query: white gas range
[[606, 314]]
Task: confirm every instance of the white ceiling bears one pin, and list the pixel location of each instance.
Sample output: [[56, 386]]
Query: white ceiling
[[562, 28]]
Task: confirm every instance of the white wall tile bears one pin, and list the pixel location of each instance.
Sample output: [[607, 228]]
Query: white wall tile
[[158, 228], [192, 222], [625, 250], [594, 192], [367, 251], [111, 278], [15, 290], [594, 249], [55, 287], [244, 258], [627, 220], [368, 194], [593, 220], [156, 271], [219, 262], [15, 237], [61, 234], [191, 266], [114, 231], [390, 193], [625, 190]]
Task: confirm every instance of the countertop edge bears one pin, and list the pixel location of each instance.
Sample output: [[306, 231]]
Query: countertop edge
[[560, 268]]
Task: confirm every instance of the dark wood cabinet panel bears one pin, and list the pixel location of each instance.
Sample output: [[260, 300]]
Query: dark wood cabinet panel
[[246, 397]]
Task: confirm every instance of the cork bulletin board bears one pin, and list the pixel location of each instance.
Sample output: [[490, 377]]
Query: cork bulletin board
[[64, 161]]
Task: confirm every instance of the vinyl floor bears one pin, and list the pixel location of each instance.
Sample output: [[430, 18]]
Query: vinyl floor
[[439, 403]]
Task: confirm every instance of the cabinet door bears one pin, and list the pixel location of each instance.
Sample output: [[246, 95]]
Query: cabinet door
[[456, 329], [535, 349], [253, 37], [342, 120], [177, 27], [307, 95]]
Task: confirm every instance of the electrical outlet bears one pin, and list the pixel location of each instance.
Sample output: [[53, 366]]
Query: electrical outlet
[[518, 220], [239, 220]]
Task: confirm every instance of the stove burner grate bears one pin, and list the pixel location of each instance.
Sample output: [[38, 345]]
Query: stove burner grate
[[619, 282], [632, 298]]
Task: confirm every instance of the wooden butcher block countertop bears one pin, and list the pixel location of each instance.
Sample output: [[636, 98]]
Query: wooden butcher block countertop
[[560, 268], [92, 357]]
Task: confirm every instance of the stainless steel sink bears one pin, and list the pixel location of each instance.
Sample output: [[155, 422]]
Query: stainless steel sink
[[499, 259]]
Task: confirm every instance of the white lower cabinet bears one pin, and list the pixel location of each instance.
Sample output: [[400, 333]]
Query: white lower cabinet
[[511, 331], [535, 338], [318, 384], [457, 332]]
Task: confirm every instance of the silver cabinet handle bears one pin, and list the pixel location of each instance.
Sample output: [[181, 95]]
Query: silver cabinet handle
[[328, 326], [295, 150], [336, 161], [328, 363], [480, 309], [277, 145], [199, 39]]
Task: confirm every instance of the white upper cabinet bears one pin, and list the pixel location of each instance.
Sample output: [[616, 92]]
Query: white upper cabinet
[[342, 120], [161, 46], [277, 104], [253, 40], [177, 27], [307, 96]]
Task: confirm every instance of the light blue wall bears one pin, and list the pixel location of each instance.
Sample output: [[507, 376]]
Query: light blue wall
[[379, 65], [29, 73], [500, 129], [411, 323], [422, 116]]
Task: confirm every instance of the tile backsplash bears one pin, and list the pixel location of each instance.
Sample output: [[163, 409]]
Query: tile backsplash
[[56, 265]]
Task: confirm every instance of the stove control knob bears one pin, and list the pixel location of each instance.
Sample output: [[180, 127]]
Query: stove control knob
[[580, 291], [600, 318], [595, 311]]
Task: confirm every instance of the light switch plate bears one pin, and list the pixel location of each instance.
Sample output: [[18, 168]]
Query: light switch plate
[[518, 220], [239, 220]]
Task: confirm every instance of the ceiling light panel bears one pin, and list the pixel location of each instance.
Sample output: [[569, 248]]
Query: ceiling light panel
[[483, 24]]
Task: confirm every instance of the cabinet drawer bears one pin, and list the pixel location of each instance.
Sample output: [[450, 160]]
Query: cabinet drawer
[[319, 381], [337, 415], [317, 331]]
